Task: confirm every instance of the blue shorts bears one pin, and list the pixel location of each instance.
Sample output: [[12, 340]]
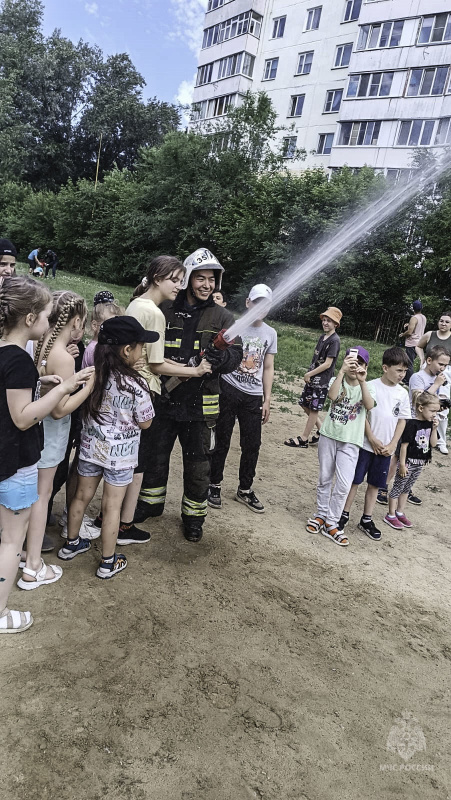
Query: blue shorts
[[21, 489], [115, 477], [374, 466]]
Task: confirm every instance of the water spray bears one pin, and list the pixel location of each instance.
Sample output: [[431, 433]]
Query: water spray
[[349, 234]]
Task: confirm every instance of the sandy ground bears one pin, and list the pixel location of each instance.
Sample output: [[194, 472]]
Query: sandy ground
[[263, 662]]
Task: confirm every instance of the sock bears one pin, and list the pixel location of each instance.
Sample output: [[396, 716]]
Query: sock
[[125, 526], [366, 518], [392, 516], [345, 514], [244, 491], [73, 541], [107, 560]]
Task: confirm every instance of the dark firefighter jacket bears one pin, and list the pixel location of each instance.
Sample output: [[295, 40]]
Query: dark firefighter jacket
[[189, 329]]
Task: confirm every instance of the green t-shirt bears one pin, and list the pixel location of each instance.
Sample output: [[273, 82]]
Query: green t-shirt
[[345, 419]]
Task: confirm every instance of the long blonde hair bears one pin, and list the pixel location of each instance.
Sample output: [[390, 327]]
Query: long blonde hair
[[20, 296], [66, 306]]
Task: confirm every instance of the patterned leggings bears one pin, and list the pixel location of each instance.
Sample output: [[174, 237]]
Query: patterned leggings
[[404, 485]]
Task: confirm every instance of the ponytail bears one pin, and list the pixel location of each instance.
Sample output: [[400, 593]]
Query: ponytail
[[158, 269]]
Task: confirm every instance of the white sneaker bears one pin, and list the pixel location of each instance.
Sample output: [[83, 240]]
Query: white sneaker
[[87, 529], [442, 448]]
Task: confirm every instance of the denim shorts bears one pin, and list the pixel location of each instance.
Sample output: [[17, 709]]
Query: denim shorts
[[374, 467], [115, 477], [21, 489]]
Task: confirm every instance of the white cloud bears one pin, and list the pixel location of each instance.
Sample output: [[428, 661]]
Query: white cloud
[[189, 17], [92, 8], [184, 96]]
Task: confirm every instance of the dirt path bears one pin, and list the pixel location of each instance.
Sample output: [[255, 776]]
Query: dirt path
[[262, 663]]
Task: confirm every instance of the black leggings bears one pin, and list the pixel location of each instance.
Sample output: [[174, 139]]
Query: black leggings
[[247, 409]]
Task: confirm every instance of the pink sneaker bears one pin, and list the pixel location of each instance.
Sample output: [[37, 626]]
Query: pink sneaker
[[394, 522], [402, 518]]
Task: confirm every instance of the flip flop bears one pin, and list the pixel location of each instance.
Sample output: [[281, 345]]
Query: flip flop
[[298, 442]]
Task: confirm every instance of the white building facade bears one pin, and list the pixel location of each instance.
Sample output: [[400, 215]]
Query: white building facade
[[353, 81]]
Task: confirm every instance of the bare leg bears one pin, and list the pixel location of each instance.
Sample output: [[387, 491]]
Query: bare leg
[[131, 498], [13, 525], [370, 500], [111, 507], [392, 505], [402, 502], [392, 470], [310, 424], [71, 483], [351, 497], [86, 489], [38, 521]]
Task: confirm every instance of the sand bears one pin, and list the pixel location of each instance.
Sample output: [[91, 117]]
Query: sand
[[263, 662]]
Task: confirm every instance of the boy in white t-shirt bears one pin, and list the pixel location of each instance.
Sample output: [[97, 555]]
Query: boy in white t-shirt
[[383, 430], [245, 395]]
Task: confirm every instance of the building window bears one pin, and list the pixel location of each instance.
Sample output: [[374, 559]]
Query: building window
[[219, 106], [212, 4], [443, 135], [343, 55], [313, 18], [358, 134], [278, 28], [430, 81], [249, 22], [289, 147], [199, 111], [352, 10], [376, 84], [325, 143], [333, 101], [305, 63], [296, 105], [436, 28], [383, 34], [415, 133], [235, 64], [270, 70], [204, 74]]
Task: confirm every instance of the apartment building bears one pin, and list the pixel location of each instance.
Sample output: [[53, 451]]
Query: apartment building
[[353, 81]]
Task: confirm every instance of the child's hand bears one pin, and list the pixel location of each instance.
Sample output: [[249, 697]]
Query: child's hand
[[265, 412], [435, 422], [403, 470], [377, 446], [50, 380], [307, 377], [140, 364], [361, 373], [73, 350], [350, 365], [440, 379], [204, 368], [71, 384]]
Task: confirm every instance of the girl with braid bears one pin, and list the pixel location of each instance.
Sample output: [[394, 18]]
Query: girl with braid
[[67, 321], [24, 310]]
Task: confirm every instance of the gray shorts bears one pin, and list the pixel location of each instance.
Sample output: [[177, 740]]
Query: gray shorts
[[115, 477]]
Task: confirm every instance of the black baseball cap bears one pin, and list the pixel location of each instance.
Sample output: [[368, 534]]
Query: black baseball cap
[[125, 330], [7, 248]]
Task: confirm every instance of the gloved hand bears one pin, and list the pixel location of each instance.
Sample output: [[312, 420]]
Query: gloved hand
[[214, 356]]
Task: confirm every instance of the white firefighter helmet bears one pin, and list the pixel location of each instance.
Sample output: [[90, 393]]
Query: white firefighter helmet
[[202, 259]]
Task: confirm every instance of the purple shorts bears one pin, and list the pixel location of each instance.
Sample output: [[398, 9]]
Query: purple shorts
[[313, 397], [374, 467]]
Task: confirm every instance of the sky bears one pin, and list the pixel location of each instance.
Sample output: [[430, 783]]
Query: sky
[[162, 37]]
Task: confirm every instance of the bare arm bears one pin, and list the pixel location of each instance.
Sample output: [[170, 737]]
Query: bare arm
[[145, 425], [167, 367], [390, 448], [268, 378], [25, 412], [410, 328], [70, 403], [422, 344], [403, 470], [318, 370]]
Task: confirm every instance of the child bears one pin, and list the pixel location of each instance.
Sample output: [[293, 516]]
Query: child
[[341, 437], [67, 322], [25, 307], [246, 395], [118, 409], [317, 379], [420, 434], [101, 312], [383, 430], [220, 298]]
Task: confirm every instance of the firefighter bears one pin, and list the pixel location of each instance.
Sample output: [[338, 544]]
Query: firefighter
[[189, 409]]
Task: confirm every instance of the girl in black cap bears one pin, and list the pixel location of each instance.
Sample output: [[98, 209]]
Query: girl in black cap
[[119, 407]]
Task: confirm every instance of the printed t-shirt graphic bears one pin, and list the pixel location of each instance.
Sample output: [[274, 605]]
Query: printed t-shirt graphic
[[114, 442], [326, 348], [345, 421], [257, 341], [392, 404]]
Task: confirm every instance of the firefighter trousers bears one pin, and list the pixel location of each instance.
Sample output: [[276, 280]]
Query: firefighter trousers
[[197, 441]]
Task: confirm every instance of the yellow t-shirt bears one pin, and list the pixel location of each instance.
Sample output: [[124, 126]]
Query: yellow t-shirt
[[152, 319]]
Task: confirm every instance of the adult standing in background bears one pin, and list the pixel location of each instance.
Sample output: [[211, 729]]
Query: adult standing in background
[[33, 259], [51, 263], [439, 338], [414, 331]]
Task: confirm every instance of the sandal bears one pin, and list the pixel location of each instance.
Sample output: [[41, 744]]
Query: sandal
[[111, 567], [315, 525], [337, 536], [39, 576], [298, 442], [15, 621]]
